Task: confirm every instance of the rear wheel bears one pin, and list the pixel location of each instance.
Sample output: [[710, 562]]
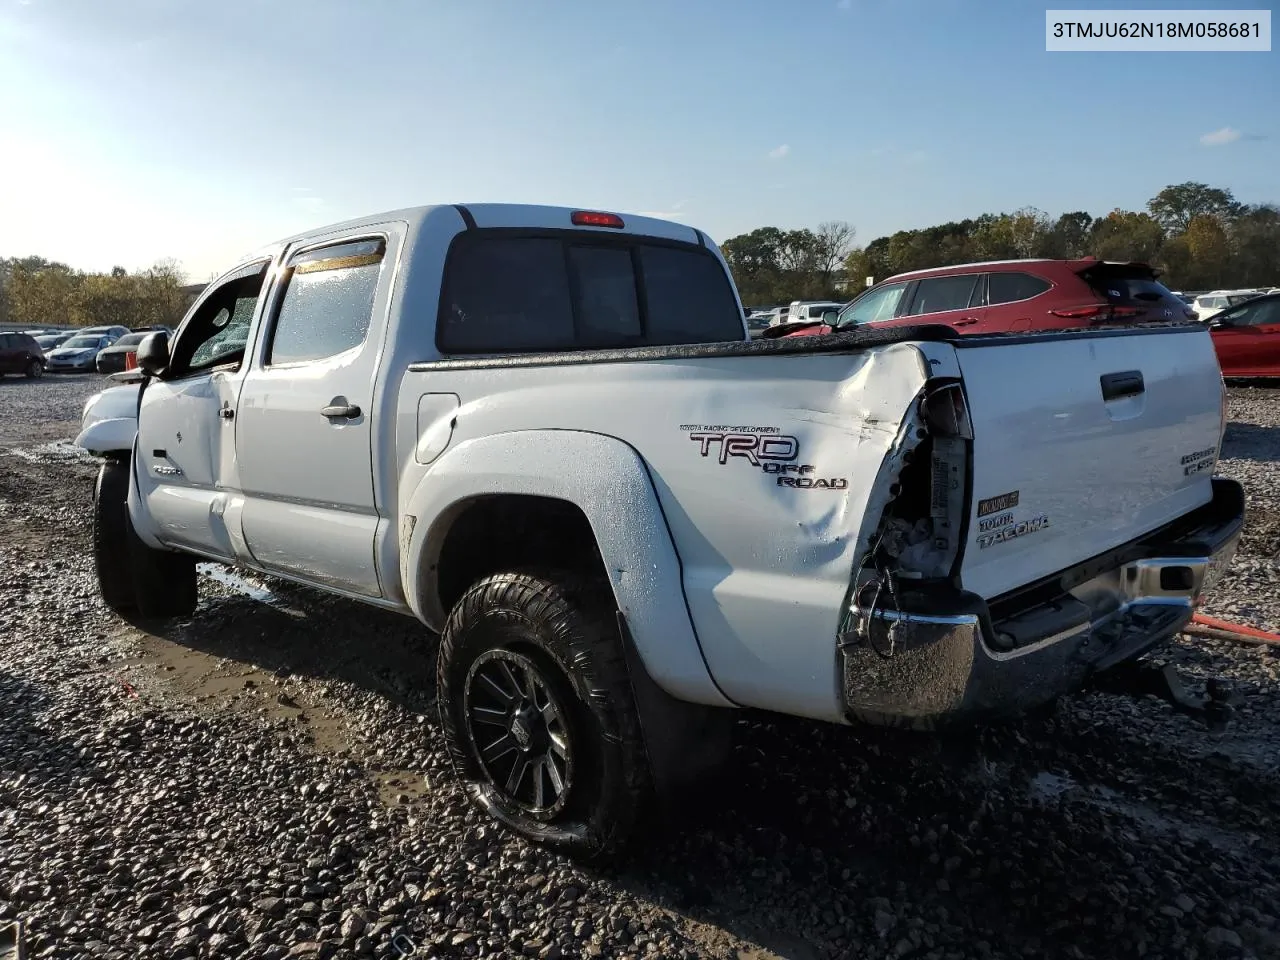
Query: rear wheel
[[538, 713], [35, 370]]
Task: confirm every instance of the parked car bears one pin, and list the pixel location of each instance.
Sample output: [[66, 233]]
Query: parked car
[[1013, 295], [154, 329], [112, 359], [50, 340], [79, 354], [1210, 304], [115, 332], [806, 311], [20, 353], [1247, 337], [543, 432]]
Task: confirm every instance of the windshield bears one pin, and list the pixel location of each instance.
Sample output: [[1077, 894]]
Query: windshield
[[879, 303], [83, 343], [130, 340]]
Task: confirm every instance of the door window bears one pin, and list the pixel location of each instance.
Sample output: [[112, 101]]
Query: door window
[[879, 303], [939, 294], [217, 333], [328, 301]]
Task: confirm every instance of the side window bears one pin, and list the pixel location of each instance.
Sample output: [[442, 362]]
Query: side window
[[1011, 286], [937, 294], [1254, 314], [327, 303], [216, 334], [6, 341], [879, 303]]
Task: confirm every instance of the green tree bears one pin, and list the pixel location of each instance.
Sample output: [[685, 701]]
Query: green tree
[[1125, 235], [1210, 250], [1177, 205], [1255, 235], [1071, 238]]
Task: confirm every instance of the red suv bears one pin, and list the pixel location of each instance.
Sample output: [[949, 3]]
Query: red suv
[[1011, 295]]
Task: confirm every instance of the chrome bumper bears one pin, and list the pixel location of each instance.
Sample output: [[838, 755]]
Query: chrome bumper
[[954, 657]]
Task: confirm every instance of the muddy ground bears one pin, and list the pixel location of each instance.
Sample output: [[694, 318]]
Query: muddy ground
[[267, 780]]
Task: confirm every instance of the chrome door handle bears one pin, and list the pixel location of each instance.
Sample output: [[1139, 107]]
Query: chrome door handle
[[344, 411]]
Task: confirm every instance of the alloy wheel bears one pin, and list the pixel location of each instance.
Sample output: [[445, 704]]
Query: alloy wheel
[[519, 731]]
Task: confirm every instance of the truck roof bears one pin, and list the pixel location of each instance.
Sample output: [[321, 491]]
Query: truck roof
[[532, 216]]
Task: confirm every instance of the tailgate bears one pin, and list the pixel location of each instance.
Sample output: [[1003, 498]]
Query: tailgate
[[1081, 443]]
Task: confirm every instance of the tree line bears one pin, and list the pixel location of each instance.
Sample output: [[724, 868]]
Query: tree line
[[1199, 237], [36, 292]]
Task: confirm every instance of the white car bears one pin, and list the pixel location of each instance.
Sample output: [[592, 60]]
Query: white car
[[545, 434], [810, 311], [1208, 304]]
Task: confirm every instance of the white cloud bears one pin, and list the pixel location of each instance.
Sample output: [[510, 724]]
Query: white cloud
[[777, 153], [307, 202], [1220, 137]]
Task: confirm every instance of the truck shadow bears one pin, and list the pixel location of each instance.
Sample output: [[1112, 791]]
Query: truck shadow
[[1250, 441], [890, 841]]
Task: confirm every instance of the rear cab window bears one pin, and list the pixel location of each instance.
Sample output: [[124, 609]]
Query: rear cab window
[[573, 290]]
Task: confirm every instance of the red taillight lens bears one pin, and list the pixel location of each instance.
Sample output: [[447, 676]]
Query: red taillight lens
[[1083, 313], [1098, 311], [589, 218]]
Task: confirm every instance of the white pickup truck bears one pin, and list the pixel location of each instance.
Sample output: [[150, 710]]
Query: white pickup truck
[[546, 434]]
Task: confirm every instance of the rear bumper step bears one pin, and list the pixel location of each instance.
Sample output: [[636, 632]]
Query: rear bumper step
[[943, 655]]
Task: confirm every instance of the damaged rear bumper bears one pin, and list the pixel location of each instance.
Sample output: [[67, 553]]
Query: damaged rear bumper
[[940, 655]]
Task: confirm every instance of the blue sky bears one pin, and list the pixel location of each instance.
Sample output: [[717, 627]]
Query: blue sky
[[133, 130]]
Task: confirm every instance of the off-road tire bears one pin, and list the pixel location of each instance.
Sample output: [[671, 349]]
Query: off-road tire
[[112, 532], [133, 578], [35, 370], [164, 581], [565, 624]]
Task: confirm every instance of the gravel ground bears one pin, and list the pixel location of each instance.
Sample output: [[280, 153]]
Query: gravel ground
[[267, 780]]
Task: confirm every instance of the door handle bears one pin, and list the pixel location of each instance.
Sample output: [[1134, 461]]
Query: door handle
[[1126, 383], [965, 321], [344, 411]]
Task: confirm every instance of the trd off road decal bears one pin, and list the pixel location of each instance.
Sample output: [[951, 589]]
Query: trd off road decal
[[767, 448]]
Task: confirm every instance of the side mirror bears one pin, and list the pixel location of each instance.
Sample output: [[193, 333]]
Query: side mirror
[[829, 317], [153, 354], [1216, 324]]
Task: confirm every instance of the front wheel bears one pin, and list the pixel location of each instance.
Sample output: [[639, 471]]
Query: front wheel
[[35, 370], [538, 714], [134, 578]]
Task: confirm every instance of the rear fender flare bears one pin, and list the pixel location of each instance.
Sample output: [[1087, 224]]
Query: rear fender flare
[[609, 482]]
